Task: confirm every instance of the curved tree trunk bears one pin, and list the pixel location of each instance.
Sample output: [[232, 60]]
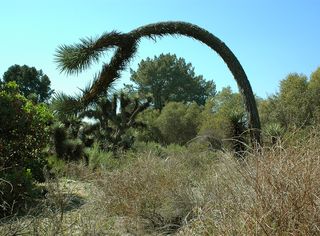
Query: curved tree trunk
[[128, 48]]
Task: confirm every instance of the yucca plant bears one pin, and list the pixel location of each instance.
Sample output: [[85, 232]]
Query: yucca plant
[[78, 57], [237, 132], [114, 122], [275, 132], [67, 146]]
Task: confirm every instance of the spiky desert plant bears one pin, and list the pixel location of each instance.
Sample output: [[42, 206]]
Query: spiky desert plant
[[114, 122], [59, 138], [66, 146], [237, 132], [78, 57], [275, 132]]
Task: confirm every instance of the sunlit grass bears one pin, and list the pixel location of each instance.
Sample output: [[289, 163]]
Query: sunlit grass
[[273, 192]]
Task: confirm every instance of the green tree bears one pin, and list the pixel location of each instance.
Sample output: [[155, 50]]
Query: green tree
[[168, 78], [314, 94], [115, 117], [293, 105], [178, 122], [32, 83], [150, 132], [269, 110], [214, 118], [224, 120]]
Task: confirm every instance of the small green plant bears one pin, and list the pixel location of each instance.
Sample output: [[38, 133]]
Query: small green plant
[[237, 127], [99, 159], [66, 146], [275, 132], [17, 191]]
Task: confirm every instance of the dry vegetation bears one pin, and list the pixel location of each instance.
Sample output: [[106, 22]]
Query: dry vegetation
[[274, 192]]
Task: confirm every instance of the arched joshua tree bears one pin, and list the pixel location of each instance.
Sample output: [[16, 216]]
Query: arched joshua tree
[[78, 57]]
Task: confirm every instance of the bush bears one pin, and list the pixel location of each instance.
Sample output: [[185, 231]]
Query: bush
[[178, 122], [24, 135], [24, 131], [101, 159], [66, 146], [158, 197], [17, 191]]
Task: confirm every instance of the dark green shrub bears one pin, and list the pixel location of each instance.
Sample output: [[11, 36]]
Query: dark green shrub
[[24, 131], [178, 123], [17, 191], [24, 135], [236, 131], [67, 147]]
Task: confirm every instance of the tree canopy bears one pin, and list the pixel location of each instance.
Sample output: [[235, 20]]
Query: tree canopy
[[218, 110], [32, 83], [296, 105], [169, 78]]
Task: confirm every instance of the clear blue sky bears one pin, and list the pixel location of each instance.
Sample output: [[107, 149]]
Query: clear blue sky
[[270, 38]]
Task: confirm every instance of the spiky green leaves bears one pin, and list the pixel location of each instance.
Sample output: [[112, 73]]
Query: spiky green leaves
[[78, 57], [65, 105]]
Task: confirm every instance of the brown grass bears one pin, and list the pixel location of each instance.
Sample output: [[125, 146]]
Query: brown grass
[[274, 192], [277, 194]]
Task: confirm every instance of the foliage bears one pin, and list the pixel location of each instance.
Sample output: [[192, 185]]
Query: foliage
[[168, 78], [296, 105], [151, 132], [274, 192], [33, 84], [178, 123], [66, 144], [275, 132], [293, 101], [24, 131], [216, 116], [268, 110], [24, 135], [113, 123], [101, 160], [158, 197], [314, 91], [237, 132], [17, 192]]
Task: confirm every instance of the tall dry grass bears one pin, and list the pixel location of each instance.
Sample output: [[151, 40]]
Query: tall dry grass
[[273, 192], [277, 193]]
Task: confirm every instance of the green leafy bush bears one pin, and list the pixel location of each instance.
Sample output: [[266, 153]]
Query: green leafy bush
[[17, 190], [101, 159], [24, 135], [178, 122]]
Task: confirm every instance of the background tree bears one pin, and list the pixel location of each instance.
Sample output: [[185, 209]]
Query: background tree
[[314, 94], [178, 123], [114, 116], [217, 110], [32, 83], [224, 121], [168, 78], [294, 100], [296, 107]]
